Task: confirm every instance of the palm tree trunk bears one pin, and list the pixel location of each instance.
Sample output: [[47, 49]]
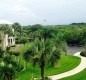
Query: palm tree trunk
[[42, 65], [42, 72]]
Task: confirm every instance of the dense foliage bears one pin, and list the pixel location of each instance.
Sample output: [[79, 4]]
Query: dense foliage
[[46, 44], [72, 34]]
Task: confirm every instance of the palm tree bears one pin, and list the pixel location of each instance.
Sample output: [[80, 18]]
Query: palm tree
[[6, 29], [7, 73], [8, 66], [45, 49], [43, 52], [28, 54]]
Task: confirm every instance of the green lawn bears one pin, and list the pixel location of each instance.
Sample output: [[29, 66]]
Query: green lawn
[[66, 63], [79, 76]]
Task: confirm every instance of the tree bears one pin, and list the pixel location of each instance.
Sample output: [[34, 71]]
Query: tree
[[23, 40], [46, 47], [17, 28], [9, 66], [35, 27], [7, 73], [43, 52], [6, 29]]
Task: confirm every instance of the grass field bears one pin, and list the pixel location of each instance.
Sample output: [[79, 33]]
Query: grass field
[[65, 63], [79, 76]]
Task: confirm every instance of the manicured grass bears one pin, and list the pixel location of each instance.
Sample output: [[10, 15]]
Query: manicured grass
[[66, 63], [79, 76]]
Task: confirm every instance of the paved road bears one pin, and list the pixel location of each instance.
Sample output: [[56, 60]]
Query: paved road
[[76, 70]]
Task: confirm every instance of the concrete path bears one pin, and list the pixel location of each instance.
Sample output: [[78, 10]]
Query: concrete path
[[76, 70]]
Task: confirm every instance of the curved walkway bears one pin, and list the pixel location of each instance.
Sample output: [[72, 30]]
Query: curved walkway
[[76, 70]]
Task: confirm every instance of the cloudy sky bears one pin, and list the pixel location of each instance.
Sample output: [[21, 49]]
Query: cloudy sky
[[28, 12]]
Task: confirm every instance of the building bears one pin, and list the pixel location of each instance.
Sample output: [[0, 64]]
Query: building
[[7, 40]]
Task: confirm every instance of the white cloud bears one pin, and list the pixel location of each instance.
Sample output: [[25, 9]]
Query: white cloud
[[16, 9], [5, 22], [34, 11], [22, 11]]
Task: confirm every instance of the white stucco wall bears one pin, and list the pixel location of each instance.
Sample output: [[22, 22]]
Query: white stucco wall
[[5, 41]]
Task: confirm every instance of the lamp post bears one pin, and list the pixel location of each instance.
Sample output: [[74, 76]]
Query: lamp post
[[45, 21]]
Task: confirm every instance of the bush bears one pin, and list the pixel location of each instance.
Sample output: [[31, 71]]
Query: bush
[[23, 40], [83, 53], [46, 78], [19, 67], [16, 53], [17, 40], [1, 52]]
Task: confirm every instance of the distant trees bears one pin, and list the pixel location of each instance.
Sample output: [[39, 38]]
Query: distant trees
[[35, 27], [74, 34], [82, 23], [18, 29], [23, 40]]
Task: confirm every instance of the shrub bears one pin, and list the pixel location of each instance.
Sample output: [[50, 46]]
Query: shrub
[[19, 67], [16, 53], [1, 52], [46, 78], [17, 40], [83, 53], [23, 40]]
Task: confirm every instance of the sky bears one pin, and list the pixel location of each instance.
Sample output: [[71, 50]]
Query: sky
[[47, 12]]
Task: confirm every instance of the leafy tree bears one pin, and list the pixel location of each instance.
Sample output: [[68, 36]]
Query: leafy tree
[[35, 27], [8, 68], [42, 53], [18, 29], [23, 40], [7, 73], [6, 29]]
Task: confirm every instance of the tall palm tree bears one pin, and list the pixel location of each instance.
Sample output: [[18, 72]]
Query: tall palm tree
[[45, 49], [43, 52]]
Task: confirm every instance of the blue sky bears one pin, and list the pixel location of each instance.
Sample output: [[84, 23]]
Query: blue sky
[[28, 12]]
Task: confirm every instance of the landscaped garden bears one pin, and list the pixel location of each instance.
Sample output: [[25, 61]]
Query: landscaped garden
[[40, 51], [65, 63]]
